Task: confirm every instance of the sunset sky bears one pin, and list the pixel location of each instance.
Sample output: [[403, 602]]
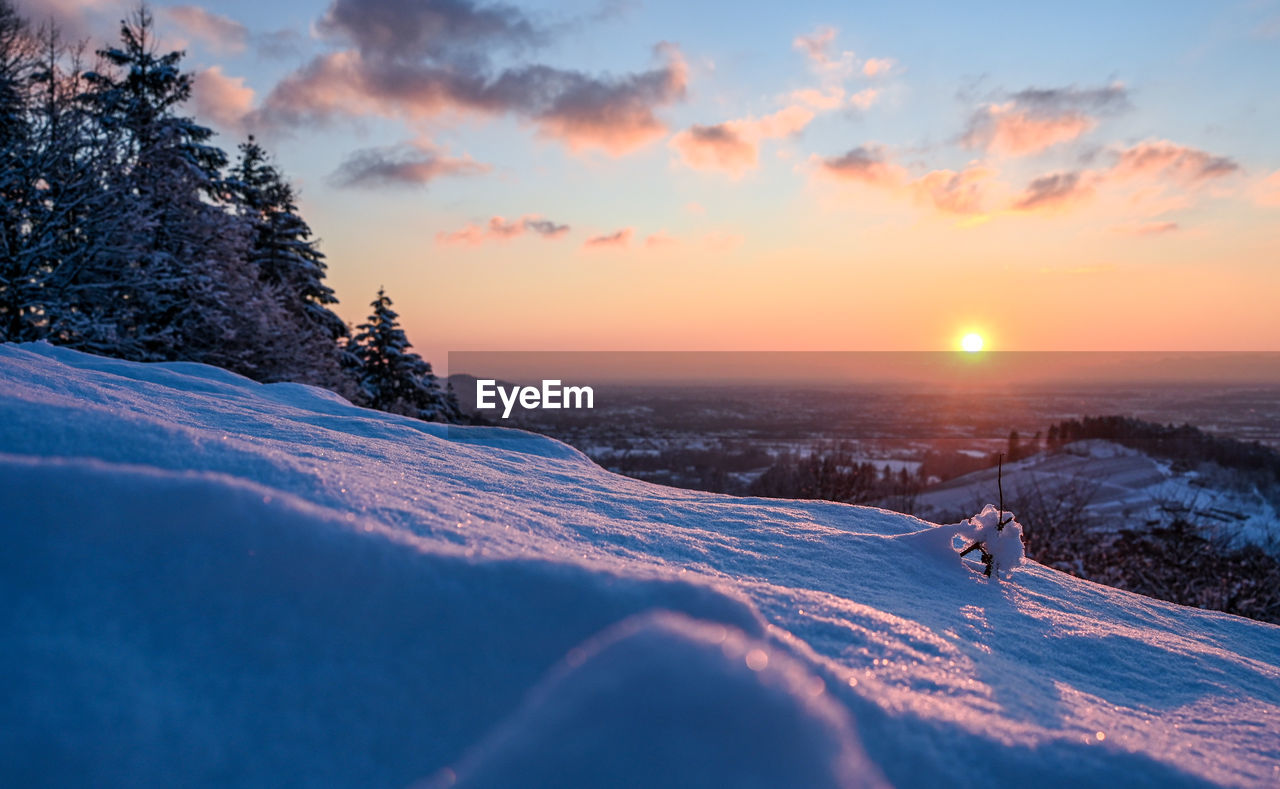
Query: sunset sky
[[784, 176]]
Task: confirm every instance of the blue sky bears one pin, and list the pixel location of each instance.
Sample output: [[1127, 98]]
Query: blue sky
[[867, 175]]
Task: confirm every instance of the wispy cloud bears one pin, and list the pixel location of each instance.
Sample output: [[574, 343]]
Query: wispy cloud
[[866, 164], [818, 46], [223, 34], [1164, 159], [963, 192], [500, 229], [1055, 191], [619, 239], [408, 164], [1147, 228]]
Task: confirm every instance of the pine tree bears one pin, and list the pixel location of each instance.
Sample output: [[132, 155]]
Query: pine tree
[[17, 187], [170, 283], [290, 264], [392, 377]]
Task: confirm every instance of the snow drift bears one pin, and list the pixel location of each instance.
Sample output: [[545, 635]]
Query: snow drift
[[209, 581]]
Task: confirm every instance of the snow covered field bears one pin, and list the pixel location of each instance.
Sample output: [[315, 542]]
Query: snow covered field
[[208, 581], [1117, 485]]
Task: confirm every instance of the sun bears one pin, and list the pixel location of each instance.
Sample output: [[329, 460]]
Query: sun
[[972, 343]]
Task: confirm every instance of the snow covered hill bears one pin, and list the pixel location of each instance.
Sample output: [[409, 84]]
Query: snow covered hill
[[208, 581], [1116, 485]]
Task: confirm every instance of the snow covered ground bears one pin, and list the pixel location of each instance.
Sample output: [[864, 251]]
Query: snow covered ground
[[1121, 486], [208, 581]]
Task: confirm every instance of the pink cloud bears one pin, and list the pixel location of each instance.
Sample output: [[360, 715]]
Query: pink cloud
[[828, 99], [1147, 228], [75, 18], [619, 239], [951, 192], [1011, 131], [621, 120], [818, 46], [734, 146], [877, 67], [659, 240], [613, 114], [222, 33], [867, 164], [1268, 191], [1035, 119], [1164, 159], [864, 98], [1056, 192], [947, 191], [500, 229], [222, 100]]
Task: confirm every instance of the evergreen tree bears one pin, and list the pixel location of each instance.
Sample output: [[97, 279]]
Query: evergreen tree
[[173, 282], [17, 188], [290, 264], [392, 377]]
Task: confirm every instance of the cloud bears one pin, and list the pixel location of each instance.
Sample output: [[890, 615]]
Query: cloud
[[947, 191], [714, 241], [828, 99], [225, 35], [614, 114], [418, 59], [878, 67], [1152, 177], [864, 98], [544, 227], [77, 19], [619, 239], [277, 43], [1035, 119], [1054, 191], [1267, 193], [951, 192], [1164, 159], [1107, 99], [500, 229], [818, 46], [221, 33], [660, 240], [410, 164], [734, 146], [440, 30], [834, 65], [221, 99], [1143, 183], [1147, 228], [1007, 130], [865, 164]]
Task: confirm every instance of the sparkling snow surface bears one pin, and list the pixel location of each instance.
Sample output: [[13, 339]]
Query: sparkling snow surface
[[208, 581]]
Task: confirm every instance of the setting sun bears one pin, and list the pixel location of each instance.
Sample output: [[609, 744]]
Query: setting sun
[[971, 343]]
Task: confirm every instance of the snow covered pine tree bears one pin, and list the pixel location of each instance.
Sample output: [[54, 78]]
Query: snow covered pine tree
[[394, 378], [291, 266], [174, 281]]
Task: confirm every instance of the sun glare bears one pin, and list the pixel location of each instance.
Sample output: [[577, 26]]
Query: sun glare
[[972, 343]]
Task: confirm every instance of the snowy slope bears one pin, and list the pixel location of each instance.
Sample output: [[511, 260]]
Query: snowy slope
[[209, 581], [1121, 486]]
